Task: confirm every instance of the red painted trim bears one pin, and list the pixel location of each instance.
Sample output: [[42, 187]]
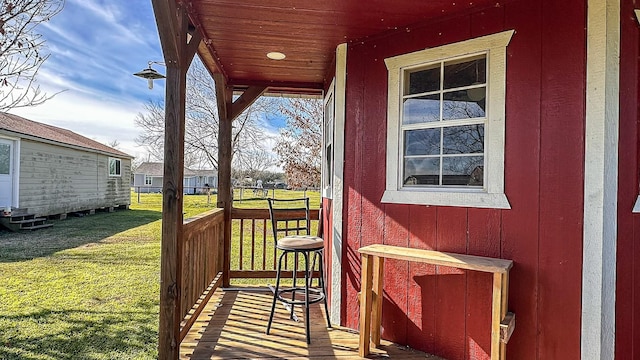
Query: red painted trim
[[628, 252]]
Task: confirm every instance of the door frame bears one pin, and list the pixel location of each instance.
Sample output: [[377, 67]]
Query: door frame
[[15, 183]]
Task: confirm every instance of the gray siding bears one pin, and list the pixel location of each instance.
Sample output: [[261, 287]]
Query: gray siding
[[138, 184], [56, 179]]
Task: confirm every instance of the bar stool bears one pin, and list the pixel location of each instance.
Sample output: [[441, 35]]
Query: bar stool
[[294, 213]]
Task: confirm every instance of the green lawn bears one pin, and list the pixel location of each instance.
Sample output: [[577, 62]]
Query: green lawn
[[88, 287]]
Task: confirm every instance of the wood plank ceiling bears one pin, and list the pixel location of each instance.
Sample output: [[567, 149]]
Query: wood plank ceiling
[[237, 35]]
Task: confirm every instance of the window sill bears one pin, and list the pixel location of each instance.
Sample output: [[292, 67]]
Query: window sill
[[447, 198]]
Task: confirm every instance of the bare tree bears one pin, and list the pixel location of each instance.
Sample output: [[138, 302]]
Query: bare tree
[[299, 146], [22, 50], [201, 125], [114, 143]]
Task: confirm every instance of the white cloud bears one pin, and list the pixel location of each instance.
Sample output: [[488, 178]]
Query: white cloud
[[103, 121]]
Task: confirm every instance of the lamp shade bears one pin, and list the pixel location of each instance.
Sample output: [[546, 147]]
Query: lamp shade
[[149, 73]]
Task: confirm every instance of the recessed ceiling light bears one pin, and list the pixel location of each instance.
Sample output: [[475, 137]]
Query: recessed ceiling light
[[276, 55]]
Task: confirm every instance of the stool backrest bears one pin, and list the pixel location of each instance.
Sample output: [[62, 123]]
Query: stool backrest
[[290, 216]]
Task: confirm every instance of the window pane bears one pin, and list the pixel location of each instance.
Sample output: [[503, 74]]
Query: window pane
[[422, 142], [463, 139], [421, 171], [465, 72], [458, 105], [424, 80], [117, 167], [463, 170], [421, 109], [5, 159]]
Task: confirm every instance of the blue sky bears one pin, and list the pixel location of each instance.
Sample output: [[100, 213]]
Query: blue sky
[[95, 47]]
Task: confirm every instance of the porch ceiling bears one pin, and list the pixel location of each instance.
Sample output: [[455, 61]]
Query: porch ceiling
[[237, 35]]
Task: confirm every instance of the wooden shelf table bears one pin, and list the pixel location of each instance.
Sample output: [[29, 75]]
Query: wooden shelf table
[[502, 323]]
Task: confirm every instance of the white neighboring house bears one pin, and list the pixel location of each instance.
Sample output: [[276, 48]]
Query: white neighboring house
[[49, 170], [148, 178]]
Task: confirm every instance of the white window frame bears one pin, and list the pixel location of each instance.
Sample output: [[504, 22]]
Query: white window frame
[[491, 195], [109, 167], [328, 126], [150, 180]]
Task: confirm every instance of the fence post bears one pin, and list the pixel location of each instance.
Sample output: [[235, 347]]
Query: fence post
[[138, 194]]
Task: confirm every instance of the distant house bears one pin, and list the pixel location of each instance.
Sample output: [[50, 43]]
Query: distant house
[[49, 170], [148, 178]]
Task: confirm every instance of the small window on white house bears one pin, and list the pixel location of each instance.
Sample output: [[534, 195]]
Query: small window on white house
[[115, 167], [445, 125], [148, 180]]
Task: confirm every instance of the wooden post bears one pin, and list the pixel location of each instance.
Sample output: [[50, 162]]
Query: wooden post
[[173, 26], [498, 312], [224, 98], [365, 304], [227, 111], [378, 297]]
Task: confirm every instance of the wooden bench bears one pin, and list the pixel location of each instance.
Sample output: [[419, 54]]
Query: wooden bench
[[502, 323]]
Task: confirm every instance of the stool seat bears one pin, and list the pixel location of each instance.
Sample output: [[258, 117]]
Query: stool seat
[[300, 242]]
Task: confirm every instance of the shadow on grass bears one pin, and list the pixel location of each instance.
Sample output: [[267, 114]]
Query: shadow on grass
[[71, 233], [82, 334]]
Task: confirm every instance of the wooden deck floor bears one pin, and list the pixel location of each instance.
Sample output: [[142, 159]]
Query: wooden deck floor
[[233, 324]]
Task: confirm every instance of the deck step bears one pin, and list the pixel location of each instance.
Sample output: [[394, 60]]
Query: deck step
[[36, 227], [24, 221]]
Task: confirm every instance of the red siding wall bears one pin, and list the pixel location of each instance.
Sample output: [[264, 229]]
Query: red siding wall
[[446, 311], [628, 270]]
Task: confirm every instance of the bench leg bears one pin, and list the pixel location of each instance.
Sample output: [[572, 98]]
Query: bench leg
[[365, 305], [378, 296], [498, 312]]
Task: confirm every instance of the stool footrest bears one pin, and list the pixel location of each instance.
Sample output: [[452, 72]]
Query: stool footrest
[[315, 295]]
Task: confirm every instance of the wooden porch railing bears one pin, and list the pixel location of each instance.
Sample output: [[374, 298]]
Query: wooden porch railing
[[252, 256], [202, 264], [253, 252]]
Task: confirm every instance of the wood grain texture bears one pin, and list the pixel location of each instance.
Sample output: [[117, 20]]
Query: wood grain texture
[[561, 181], [422, 282], [484, 240], [535, 101], [451, 286], [58, 179], [365, 305], [396, 273], [354, 126], [171, 281], [233, 323], [460, 261]]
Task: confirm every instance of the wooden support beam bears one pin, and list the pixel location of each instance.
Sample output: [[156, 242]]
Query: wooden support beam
[[194, 43], [165, 12], [246, 99], [172, 27], [225, 200]]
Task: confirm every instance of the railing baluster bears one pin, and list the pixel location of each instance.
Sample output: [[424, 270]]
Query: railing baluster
[[264, 244], [240, 257], [253, 243]]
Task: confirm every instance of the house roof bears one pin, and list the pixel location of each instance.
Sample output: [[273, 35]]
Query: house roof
[[237, 35], [35, 130], [157, 169]]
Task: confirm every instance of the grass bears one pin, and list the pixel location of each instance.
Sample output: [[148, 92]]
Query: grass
[[88, 287]]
